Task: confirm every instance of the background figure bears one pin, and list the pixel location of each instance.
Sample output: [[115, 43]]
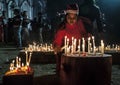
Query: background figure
[[25, 30], [5, 27], [89, 10], [10, 30], [39, 27], [17, 21], [34, 32], [1, 29], [46, 32]]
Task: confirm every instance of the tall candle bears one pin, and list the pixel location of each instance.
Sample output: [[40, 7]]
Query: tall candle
[[30, 58], [102, 47], [79, 43], [89, 45], [65, 44], [17, 62], [46, 46], [83, 45], [93, 44], [26, 56], [72, 46]]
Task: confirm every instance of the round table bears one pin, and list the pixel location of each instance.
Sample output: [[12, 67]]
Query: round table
[[85, 70]]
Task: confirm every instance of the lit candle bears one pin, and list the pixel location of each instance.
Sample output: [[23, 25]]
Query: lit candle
[[65, 44], [17, 62], [22, 64], [83, 45], [13, 63], [89, 45], [79, 43], [102, 47], [72, 46], [93, 44], [30, 58], [26, 56], [11, 66], [46, 46]]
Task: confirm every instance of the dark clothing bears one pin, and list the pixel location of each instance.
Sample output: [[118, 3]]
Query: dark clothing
[[17, 20], [93, 13], [25, 31]]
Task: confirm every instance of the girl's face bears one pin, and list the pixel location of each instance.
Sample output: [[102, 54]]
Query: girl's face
[[71, 18]]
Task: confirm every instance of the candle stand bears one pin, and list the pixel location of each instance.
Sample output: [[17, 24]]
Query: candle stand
[[85, 70]]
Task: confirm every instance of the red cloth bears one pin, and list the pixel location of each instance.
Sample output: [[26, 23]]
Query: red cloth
[[76, 30]]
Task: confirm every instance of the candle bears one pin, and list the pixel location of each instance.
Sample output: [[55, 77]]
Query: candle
[[65, 44], [93, 44], [79, 43], [13, 63], [30, 58], [83, 45], [46, 46], [74, 45], [17, 62], [102, 47], [26, 56], [22, 64], [89, 45]]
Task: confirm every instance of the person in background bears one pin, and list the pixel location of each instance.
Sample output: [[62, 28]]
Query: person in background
[[39, 27], [72, 26], [5, 27], [25, 30], [1, 28], [17, 27], [91, 11]]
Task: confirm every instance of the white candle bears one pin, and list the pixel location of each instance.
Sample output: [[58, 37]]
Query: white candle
[[102, 47], [72, 46], [83, 45], [30, 58], [65, 44], [79, 43], [22, 64], [89, 45], [26, 56], [46, 46], [93, 44], [17, 62]]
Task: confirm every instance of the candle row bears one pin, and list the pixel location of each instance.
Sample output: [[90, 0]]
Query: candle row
[[112, 47], [15, 64], [80, 45], [39, 47]]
